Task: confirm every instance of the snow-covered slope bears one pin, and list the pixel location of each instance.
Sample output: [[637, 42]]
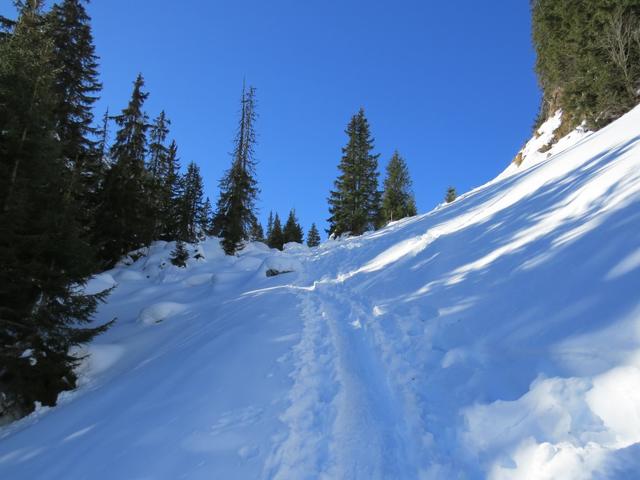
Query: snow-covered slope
[[496, 337]]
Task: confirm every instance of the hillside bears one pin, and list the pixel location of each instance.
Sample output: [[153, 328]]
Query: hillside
[[495, 337]]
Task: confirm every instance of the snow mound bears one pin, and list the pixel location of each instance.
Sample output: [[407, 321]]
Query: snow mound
[[160, 311], [99, 283], [127, 275], [294, 247], [280, 263]]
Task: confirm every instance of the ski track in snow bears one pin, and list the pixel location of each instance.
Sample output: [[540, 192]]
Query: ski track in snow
[[338, 370]]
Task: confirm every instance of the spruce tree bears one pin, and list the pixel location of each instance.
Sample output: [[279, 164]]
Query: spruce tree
[[191, 207], [170, 195], [235, 210], [43, 313], [397, 200], [179, 255], [158, 151], [269, 225], [292, 231], [451, 195], [205, 218], [125, 220], [257, 232], [355, 203], [76, 89], [102, 147], [313, 237], [276, 239], [159, 169]]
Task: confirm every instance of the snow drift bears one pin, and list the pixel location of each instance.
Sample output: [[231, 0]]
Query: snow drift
[[495, 337]]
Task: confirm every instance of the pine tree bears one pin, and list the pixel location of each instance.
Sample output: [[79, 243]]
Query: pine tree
[[158, 168], [125, 220], [76, 88], [355, 203], [191, 206], [269, 225], [41, 244], [170, 195], [451, 195], [102, 147], [257, 233], [397, 200], [292, 231], [276, 239], [313, 237], [179, 255], [205, 219], [158, 151], [235, 212]]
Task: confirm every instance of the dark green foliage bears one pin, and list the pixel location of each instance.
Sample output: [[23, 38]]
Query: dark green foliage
[[158, 171], [158, 151], [205, 218], [76, 89], [257, 233], [102, 146], [125, 219], [313, 237], [451, 195], [588, 58], [355, 203], [292, 231], [170, 191], [235, 210], [397, 200], [43, 250], [269, 226], [179, 255], [276, 237], [191, 209]]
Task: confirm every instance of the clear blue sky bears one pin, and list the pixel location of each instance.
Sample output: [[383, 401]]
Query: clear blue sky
[[449, 84]]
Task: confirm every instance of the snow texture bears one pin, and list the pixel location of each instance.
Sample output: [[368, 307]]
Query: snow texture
[[495, 337]]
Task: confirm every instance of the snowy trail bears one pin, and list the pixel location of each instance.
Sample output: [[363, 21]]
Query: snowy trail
[[369, 438], [345, 418]]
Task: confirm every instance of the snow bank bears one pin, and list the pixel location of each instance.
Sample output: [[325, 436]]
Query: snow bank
[[99, 283], [280, 263], [160, 311]]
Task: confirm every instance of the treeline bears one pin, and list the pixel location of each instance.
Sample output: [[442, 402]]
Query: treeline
[[72, 202], [52, 174], [588, 59], [278, 235]]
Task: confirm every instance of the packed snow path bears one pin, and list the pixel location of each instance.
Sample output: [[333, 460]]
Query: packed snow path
[[365, 430], [496, 337]]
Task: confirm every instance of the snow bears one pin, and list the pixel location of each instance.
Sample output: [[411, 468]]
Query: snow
[[495, 337], [160, 311], [99, 283]]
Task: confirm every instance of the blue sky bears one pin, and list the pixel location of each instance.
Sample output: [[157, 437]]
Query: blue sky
[[449, 84]]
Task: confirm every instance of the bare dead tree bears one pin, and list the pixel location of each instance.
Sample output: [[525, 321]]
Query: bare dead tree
[[619, 39]]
